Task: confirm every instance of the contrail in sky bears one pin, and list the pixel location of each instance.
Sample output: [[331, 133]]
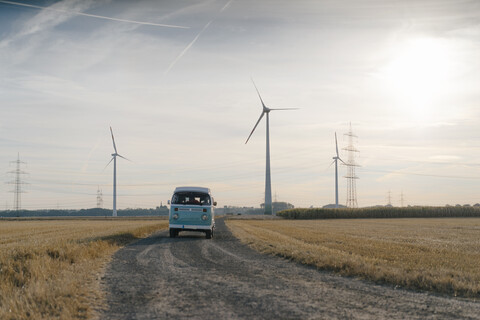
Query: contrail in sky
[[194, 40], [93, 15], [225, 6], [187, 47]]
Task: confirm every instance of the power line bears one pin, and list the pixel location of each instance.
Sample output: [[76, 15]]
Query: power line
[[421, 174], [432, 162]]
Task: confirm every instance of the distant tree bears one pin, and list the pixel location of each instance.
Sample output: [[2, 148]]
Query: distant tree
[[279, 206], [332, 206]]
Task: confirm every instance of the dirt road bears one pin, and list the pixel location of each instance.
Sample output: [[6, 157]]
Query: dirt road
[[195, 278]]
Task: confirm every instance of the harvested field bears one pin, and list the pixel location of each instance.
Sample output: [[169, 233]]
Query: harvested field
[[439, 255], [49, 269]]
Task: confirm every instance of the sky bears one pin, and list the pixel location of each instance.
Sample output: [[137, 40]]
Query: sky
[[173, 78]]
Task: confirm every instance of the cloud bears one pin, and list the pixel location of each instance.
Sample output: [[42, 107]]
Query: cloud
[[63, 81], [68, 8], [47, 19]]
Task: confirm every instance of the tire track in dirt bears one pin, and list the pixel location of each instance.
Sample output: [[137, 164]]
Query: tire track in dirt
[[195, 278]]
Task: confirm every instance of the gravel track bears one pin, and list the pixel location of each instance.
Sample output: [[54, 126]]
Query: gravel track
[[195, 278]]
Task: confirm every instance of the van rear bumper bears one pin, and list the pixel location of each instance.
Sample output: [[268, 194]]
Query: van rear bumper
[[190, 227]]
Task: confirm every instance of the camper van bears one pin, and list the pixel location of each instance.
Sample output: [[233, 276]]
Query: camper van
[[192, 209]]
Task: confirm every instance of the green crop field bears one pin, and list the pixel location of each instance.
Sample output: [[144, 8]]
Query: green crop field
[[381, 212]]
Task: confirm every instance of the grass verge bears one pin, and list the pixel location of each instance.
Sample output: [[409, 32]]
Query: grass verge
[[51, 269], [438, 255]]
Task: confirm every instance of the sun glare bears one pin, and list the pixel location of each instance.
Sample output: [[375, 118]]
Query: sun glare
[[417, 76]]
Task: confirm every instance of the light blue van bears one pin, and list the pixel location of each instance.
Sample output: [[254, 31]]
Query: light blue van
[[192, 209]]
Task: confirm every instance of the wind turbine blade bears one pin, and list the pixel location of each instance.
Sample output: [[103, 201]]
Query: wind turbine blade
[[261, 116], [341, 160], [263, 104], [124, 158], [331, 164], [285, 109], [113, 140], [336, 144], [108, 164]]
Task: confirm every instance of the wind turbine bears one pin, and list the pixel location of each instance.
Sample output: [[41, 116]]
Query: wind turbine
[[268, 184], [335, 160], [114, 159]]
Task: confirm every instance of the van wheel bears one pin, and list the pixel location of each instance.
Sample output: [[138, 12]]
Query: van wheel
[[173, 233], [208, 234]]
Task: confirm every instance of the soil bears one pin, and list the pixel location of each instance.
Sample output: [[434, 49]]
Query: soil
[[190, 277]]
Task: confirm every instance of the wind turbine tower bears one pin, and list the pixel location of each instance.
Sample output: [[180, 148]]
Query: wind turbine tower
[[351, 165], [268, 183], [335, 160], [114, 159]]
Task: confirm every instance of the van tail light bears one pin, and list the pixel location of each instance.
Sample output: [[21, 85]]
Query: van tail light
[[176, 209], [204, 210]]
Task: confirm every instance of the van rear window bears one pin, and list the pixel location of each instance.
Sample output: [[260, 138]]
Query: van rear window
[[191, 198]]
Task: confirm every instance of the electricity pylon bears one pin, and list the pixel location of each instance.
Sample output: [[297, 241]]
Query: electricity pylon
[[99, 198], [351, 165], [17, 184]]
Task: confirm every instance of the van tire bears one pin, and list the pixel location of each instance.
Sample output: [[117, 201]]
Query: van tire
[[173, 233], [208, 234]]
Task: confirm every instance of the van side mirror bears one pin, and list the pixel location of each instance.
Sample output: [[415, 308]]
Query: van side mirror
[[168, 202], [215, 203]]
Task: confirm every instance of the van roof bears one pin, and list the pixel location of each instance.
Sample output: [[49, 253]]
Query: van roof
[[194, 189]]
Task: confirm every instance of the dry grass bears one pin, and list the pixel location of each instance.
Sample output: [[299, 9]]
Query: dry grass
[[440, 255], [50, 269]]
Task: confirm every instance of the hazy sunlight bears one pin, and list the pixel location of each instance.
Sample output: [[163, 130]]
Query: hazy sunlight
[[418, 75]]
